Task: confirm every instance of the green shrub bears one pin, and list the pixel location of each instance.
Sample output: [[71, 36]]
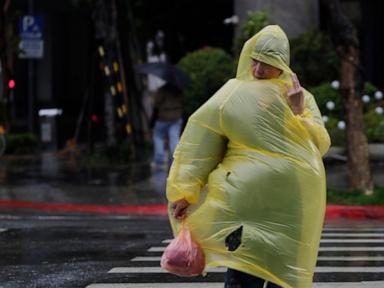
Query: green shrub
[[324, 93], [337, 135], [373, 122], [209, 69], [369, 88], [23, 143], [374, 126], [313, 58], [355, 197]]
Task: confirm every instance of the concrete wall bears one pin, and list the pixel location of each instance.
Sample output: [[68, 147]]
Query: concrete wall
[[294, 16]]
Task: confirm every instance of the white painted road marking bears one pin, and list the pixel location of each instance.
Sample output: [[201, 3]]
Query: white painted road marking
[[352, 241], [158, 269], [140, 270], [322, 258], [156, 249], [347, 249], [373, 284], [361, 239], [359, 235], [137, 259], [356, 230], [351, 258], [341, 236], [322, 249], [353, 234]]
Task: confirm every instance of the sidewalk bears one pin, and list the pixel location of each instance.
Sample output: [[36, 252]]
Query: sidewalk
[[50, 184]]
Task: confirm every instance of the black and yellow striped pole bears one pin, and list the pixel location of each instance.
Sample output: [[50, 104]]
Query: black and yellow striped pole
[[117, 89]]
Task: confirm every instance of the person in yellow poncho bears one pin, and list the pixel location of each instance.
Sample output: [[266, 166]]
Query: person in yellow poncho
[[248, 176]]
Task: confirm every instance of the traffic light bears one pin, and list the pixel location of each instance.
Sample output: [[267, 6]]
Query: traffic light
[[11, 84], [94, 118]]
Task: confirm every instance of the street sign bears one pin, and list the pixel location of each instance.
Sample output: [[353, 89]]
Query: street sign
[[31, 44]]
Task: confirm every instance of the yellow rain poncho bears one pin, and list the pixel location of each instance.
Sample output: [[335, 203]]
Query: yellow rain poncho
[[246, 163]]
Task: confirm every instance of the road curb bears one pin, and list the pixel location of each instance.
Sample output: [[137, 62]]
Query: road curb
[[152, 209], [354, 212]]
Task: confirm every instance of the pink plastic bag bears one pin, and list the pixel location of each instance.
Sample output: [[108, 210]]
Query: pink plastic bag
[[183, 256]]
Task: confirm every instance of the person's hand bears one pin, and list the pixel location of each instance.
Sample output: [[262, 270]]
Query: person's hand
[[296, 96], [179, 209]]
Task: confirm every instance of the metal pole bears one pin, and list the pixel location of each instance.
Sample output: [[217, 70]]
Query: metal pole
[[31, 82]]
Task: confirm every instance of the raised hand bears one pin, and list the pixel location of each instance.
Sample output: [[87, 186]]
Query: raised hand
[[296, 96]]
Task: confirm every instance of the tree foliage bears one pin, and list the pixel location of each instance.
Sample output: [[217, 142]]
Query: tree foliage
[[313, 58], [209, 69], [254, 22]]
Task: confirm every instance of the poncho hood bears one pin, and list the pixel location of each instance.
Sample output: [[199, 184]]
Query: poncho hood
[[270, 46]]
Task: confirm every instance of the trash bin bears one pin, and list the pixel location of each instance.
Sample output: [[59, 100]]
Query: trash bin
[[48, 127]]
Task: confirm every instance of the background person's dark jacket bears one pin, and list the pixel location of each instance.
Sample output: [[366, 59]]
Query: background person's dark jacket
[[168, 104]]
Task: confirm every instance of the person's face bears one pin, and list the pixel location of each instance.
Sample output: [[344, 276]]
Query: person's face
[[261, 70]]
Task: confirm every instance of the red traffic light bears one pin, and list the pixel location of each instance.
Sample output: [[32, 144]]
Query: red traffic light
[[94, 118], [11, 84]]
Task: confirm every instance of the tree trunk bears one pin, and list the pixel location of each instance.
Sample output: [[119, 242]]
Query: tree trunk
[[357, 146], [344, 37]]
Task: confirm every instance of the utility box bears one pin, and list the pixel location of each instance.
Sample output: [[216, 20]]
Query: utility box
[[48, 127]]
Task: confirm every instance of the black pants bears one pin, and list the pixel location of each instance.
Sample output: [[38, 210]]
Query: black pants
[[238, 279]]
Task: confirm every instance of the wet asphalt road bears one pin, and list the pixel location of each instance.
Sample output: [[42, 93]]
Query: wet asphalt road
[[43, 248], [72, 251], [103, 252], [51, 179]]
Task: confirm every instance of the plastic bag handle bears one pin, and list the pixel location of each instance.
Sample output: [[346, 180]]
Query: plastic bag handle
[[187, 231]]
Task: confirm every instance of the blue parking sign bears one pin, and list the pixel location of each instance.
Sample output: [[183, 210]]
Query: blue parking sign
[[31, 36]]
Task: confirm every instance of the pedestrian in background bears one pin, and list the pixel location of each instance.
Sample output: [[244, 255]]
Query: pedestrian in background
[[166, 122], [258, 144]]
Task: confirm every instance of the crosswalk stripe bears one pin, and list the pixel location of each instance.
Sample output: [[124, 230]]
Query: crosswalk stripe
[[353, 234], [158, 285], [138, 259], [161, 249], [320, 258], [157, 269], [353, 229], [378, 235], [352, 241], [346, 249], [141, 270], [329, 269], [330, 236], [156, 249], [373, 284], [349, 258]]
